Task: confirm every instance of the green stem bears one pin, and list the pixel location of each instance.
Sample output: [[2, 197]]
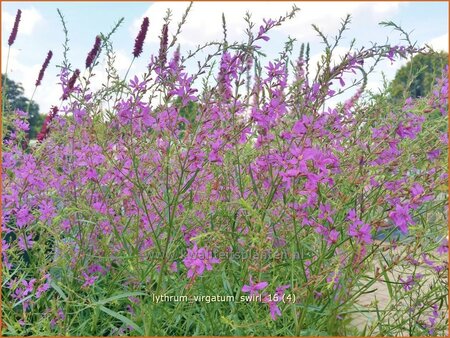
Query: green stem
[[4, 90]]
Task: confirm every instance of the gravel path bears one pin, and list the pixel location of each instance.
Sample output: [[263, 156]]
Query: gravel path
[[381, 295]]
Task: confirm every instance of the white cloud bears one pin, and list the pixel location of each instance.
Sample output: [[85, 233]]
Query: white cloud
[[26, 73], [385, 7], [123, 61], [47, 94], [327, 16], [29, 20], [205, 20], [440, 43]]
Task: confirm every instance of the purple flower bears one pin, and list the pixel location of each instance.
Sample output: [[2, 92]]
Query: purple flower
[[261, 35], [163, 45], [361, 231], [254, 288], [274, 309], [401, 218], [139, 42], [13, 35], [25, 243], [444, 138], [45, 126], [352, 215], [333, 236], [71, 84], [280, 289], [94, 52], [59, 317], [317, 294], [184, 90], [326, 212], [333, 279], [41, 289], [29, 286], [427, 261], [24, 217], [380, 133], [47, 210], [432, 319], [443, 247], [227, 72], [44, 67], [410, 281], [358, 229], [21, 125], [416, 190], [301, 126], [95, 268], [197, 260], [388, 154], [273, 301], [88, 280], [433, 154], [173, 267], [411, 127]]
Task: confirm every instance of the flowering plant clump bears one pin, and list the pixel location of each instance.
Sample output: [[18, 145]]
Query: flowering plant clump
[[241, 179]]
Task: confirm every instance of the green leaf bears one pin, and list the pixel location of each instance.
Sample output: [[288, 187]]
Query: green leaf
[[189, 183], [23, 300], [58, 289], [122, 295], [387, 280], [122, 318], [7, 278]]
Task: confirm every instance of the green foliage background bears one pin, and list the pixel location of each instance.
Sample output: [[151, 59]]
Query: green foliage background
[[15, 99], [417, 77]]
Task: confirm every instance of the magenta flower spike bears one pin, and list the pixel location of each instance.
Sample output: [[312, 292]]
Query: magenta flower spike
[[139, 42], [44, 67], [13, 35], [94, 52]]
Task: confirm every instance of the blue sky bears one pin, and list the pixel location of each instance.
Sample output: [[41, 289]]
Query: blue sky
[[40, 30]]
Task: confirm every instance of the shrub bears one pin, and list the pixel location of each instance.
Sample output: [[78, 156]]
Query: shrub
[[270, 210]]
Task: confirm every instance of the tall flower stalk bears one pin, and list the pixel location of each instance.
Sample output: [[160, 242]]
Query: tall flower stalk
[[140, 38], [139, 43], [71, 84], [137, 49], [93, 54], [46, 125], [40, 76], [164, 41], [11, 39]]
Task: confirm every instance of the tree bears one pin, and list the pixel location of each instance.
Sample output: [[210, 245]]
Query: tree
[[14, 99], [416, 78]]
